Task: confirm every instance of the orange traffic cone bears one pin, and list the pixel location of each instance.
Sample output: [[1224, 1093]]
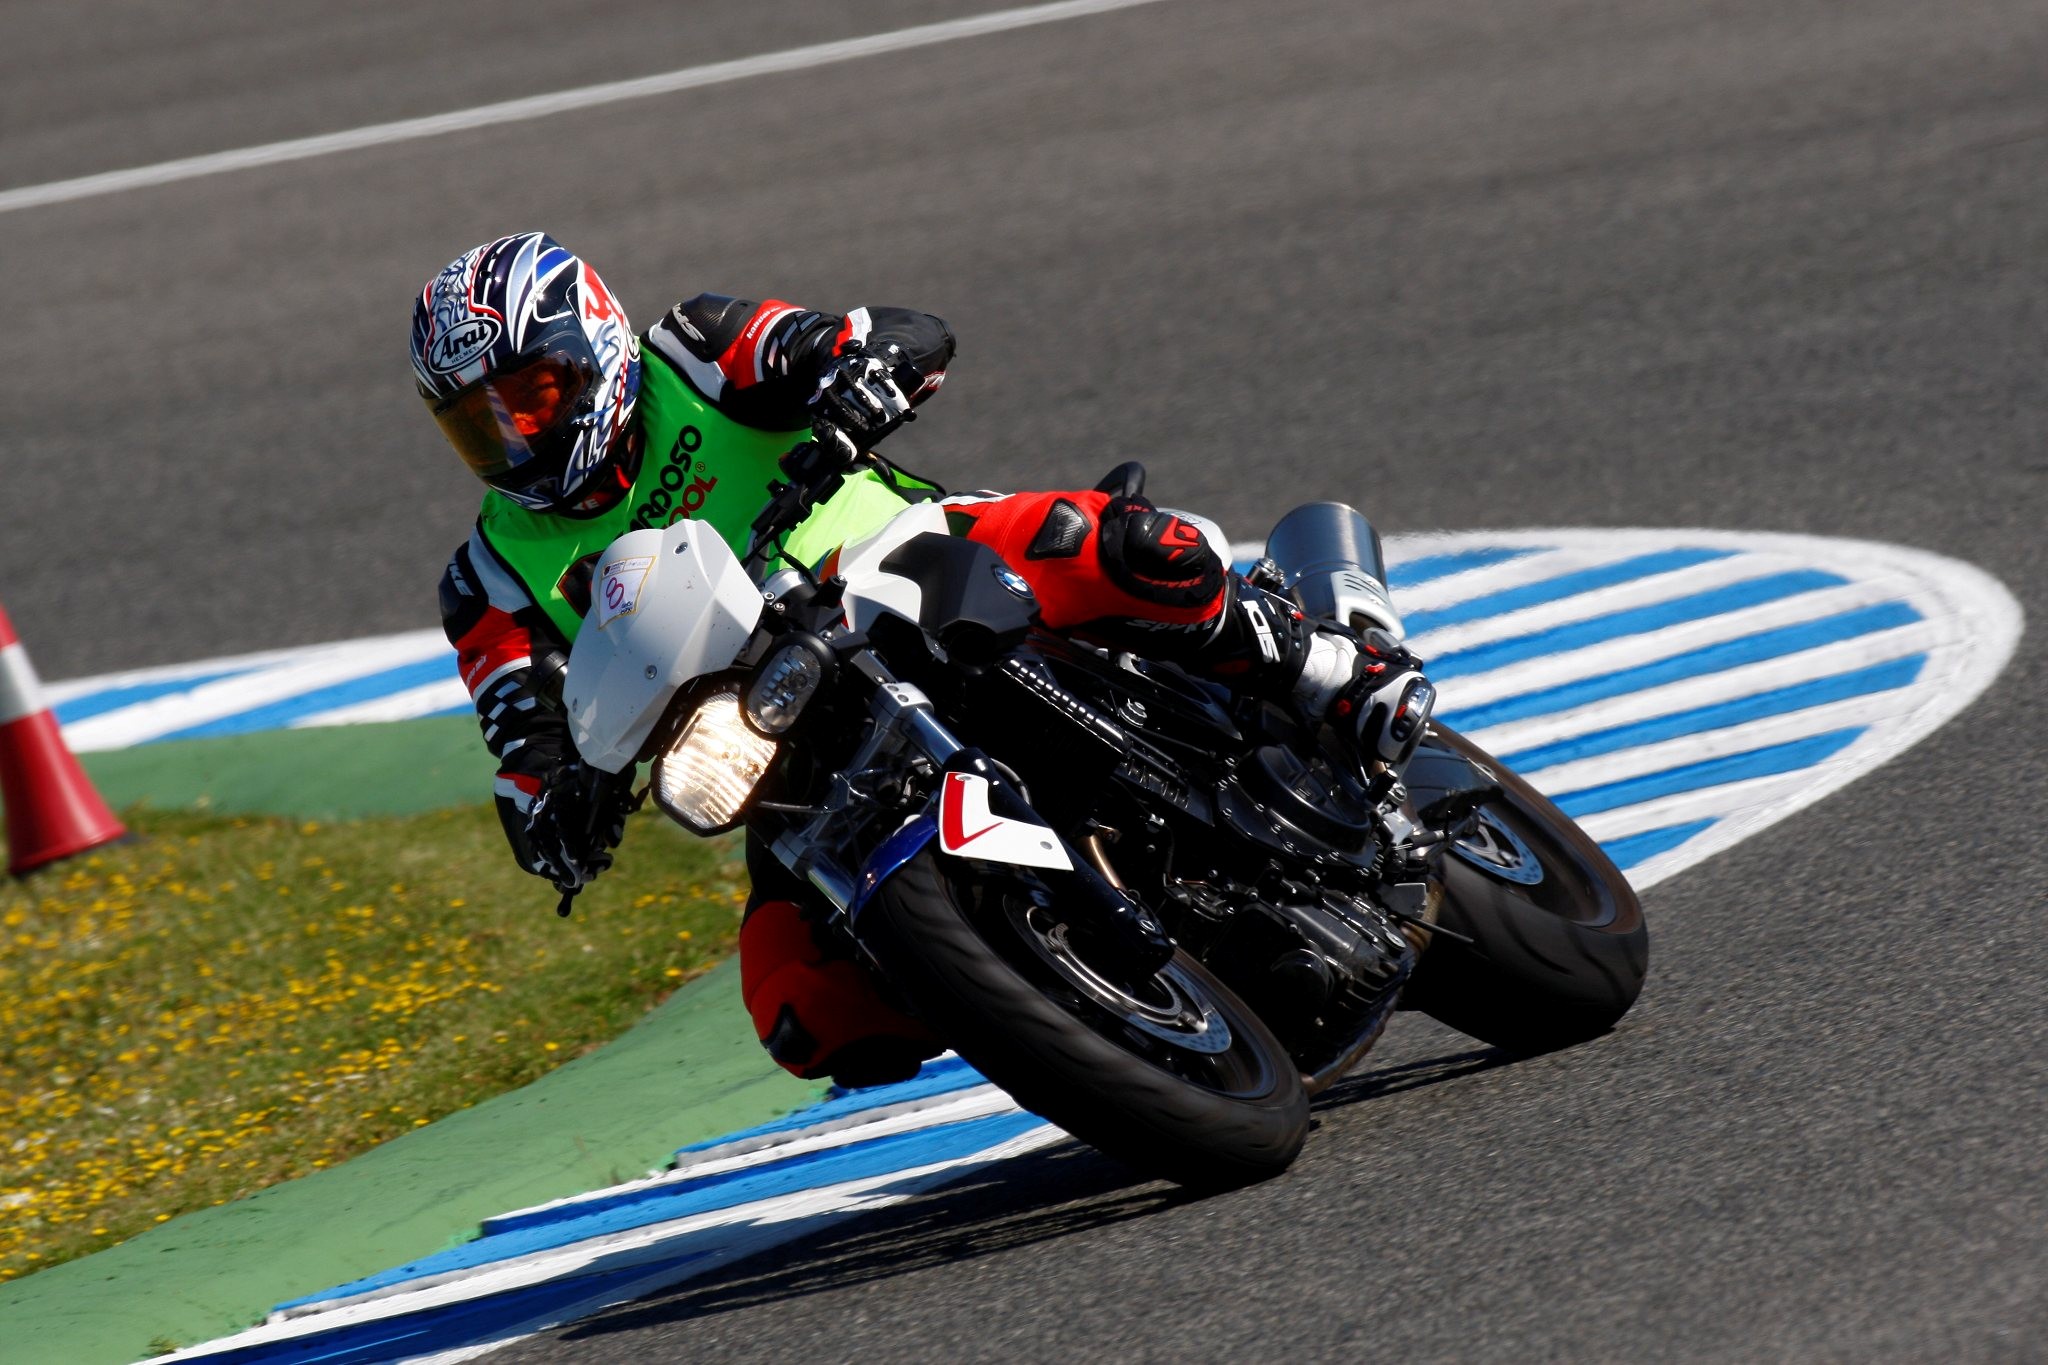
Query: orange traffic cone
[[52, 809]]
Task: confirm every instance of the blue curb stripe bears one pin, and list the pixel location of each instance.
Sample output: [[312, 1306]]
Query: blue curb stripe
[[468, 1323], [474, 1321], [1713, 772], [659, 1204], [763, 1162], [114, 698], [1430, 567], [1413, 572], [278, 714], [1564, 585], [1884, 677], [1637, 848], [937, 1078], [1749, 649], [1596, 630]]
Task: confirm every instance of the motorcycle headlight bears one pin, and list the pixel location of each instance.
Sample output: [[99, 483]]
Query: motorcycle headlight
[[706, 776], [785, 684]]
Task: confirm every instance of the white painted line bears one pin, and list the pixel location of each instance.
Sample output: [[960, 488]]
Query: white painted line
[[918, 1182], [1965, 609], [1596, 661], [1448, 591], [1707, 803], [1844, 656], [541, 106], [156, 673], [1647, 759], [407, 705], [304, 672], [1585, 606], [757, 1226], [982, 1101]]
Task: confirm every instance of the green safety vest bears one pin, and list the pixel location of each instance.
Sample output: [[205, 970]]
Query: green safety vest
[[697, 463]]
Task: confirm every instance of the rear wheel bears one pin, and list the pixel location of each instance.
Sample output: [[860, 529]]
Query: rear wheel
[[1559, 946], [1172, 1074]]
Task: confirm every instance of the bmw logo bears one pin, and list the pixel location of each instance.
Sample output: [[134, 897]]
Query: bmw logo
[[1012, 580]]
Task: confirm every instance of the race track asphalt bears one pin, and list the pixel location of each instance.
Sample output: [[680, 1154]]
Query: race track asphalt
[[1744, 264]]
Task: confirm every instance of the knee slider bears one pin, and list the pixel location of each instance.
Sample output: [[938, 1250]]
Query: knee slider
[[1158, 557]]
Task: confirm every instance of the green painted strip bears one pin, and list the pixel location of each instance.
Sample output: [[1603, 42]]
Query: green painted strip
[[692, 1070], [328, 773]]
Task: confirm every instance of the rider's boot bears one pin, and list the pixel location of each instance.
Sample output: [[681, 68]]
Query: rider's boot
[[1371, 688], [1363, 682]]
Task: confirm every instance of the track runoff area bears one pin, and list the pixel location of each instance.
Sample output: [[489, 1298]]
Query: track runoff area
[[1675, 691]]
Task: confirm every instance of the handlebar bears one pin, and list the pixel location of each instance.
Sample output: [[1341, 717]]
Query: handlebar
[[861, 398], [816, 469]]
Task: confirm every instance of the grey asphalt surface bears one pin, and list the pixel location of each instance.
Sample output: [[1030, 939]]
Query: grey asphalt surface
[[1747, 263]]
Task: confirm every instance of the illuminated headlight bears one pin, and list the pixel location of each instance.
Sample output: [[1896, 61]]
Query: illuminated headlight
[[783, 686], [712, 768]]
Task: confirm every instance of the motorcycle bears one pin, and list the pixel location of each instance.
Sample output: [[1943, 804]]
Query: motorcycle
[[1161, 915]]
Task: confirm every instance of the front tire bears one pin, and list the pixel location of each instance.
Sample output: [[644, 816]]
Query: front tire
[[1222, 1106], [1559, 947]]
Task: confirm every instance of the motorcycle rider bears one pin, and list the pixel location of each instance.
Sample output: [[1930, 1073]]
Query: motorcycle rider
[[583, 431]]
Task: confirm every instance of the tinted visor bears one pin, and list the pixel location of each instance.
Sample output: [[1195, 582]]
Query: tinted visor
[[513, 417]]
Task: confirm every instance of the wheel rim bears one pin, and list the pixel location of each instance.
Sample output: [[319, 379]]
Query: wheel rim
[[1169, 1020], [1502, 848], [1498, 851], [1163, 1007]]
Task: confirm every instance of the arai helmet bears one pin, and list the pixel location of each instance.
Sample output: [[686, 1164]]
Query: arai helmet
[[531, 369]]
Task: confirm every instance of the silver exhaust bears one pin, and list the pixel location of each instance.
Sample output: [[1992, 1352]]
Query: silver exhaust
[[1333, 567]]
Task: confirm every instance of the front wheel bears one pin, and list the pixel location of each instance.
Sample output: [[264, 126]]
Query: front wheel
[[1558, 946], [1174, 1075]]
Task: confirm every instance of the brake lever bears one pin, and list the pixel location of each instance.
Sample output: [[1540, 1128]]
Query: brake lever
[[816, 470]]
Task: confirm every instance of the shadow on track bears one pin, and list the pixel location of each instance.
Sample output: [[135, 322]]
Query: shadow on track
[[1004, 1207], [1393, 1080]]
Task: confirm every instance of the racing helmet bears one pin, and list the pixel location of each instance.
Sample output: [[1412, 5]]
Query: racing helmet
[[531, 370]]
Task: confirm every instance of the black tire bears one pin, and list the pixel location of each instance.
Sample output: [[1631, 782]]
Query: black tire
[[1210, 1123], [1558, 960]]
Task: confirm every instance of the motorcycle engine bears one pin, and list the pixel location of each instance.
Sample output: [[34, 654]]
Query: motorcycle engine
[[1294, 807], [1318, 965]]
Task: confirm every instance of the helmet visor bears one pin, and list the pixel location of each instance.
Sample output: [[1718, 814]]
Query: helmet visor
[[506, 419]]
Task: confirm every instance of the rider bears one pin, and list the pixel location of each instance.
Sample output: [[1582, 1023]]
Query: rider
[[583, 431]]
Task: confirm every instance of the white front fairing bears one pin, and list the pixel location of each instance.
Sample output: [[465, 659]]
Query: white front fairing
[[871, 591], [666, 606]]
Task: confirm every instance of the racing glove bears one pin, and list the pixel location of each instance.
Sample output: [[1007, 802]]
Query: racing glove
[[571, 826], [866, 394]]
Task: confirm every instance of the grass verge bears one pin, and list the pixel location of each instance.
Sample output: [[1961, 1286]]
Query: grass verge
[[230, 1002]]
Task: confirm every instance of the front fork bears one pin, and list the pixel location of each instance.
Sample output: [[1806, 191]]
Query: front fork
[[905, 731]]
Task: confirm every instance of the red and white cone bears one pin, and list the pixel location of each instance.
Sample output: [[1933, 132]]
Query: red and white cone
[[51, 807]]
